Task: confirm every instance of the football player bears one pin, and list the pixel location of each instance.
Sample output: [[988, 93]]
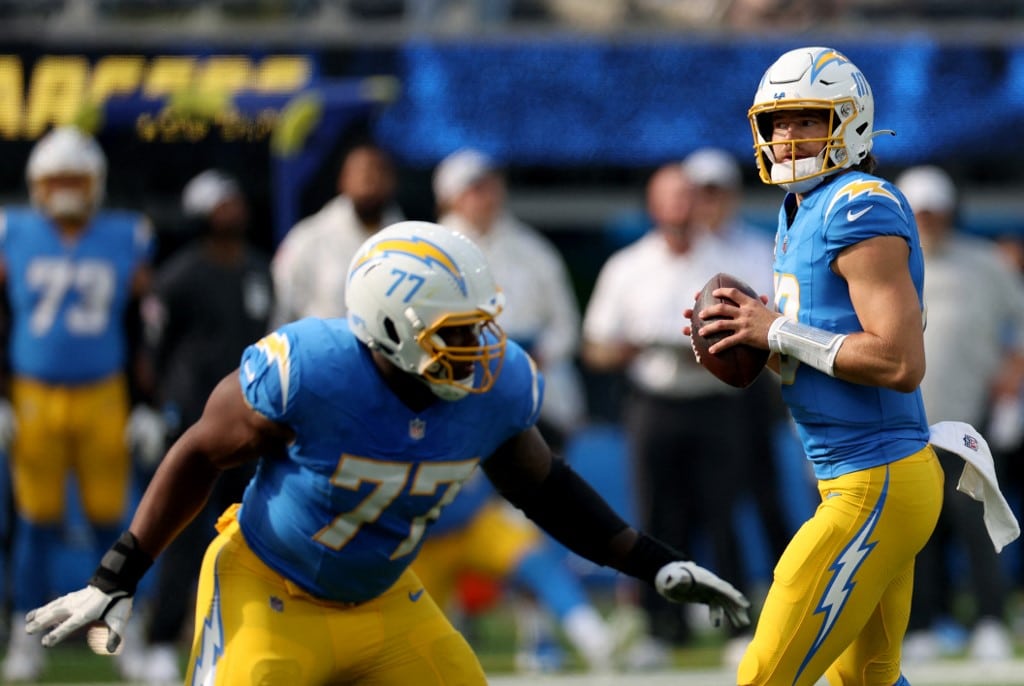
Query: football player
[[71, 274], [848, 336], [364, 429]]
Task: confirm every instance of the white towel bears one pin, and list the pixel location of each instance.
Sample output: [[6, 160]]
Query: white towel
[[978, 479]]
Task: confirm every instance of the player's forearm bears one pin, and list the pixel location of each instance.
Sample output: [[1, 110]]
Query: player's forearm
[[870, 360]]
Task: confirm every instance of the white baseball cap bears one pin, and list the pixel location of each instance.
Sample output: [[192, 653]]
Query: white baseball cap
[[712, 167], [207, 190], [928, 189], [459, 171]]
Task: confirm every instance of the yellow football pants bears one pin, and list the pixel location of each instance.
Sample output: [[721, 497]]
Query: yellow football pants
[[70, 429], [253, 627], [840, 599]]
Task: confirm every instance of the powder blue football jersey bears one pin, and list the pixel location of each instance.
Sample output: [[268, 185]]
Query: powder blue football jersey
[[344, 511], [68, 298], [844, 426]]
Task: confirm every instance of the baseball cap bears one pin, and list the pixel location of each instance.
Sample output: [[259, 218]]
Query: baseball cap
[[928, 189], [207, 190], [712, 167], [459, 171]]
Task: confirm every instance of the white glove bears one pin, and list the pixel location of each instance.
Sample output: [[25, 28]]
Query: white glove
[[146, 435], [79, 609], [688, 582], [8, 425]]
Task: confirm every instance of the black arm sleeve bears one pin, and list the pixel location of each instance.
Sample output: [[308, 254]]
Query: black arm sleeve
[[569, 509]]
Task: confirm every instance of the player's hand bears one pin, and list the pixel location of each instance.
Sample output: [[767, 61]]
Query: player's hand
[[688, 582], [146, 434], [8, 424], [79, 609]]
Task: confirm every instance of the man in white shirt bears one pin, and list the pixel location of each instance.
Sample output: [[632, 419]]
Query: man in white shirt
[[310, 265], [685, 455]]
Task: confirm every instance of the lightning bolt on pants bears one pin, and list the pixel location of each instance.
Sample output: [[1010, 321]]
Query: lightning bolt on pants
[[840, 599]]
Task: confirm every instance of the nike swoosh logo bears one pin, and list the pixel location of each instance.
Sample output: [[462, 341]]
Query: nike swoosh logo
[[249, 373], [416, 595], [852, 216]]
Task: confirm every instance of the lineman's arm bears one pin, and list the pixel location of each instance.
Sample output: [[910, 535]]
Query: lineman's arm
[[228, 433], [551, 494]]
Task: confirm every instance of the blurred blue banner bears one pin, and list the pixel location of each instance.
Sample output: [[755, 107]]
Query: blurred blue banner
[[594, 103]]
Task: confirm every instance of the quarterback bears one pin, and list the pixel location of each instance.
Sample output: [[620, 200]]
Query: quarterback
[[848, 339], [364, 428]]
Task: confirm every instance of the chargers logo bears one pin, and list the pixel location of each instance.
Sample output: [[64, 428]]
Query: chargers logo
[[276, 348], [824, 59], [417, 248], [865, 187]]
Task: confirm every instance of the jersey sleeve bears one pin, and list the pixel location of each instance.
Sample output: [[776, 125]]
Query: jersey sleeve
[[269, 374], [861, 209]]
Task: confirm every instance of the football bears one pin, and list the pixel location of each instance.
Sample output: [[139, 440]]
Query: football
[[739, 365]]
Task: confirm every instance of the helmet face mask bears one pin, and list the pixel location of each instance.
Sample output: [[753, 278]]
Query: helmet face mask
[[424, 297], [66, 174], [816, 79]]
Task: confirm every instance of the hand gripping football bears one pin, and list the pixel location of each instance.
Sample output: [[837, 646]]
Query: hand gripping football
[[739, 365]]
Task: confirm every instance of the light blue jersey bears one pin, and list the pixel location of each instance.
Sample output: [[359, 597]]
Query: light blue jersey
[[68, 297], [344, 511], [844, 426]]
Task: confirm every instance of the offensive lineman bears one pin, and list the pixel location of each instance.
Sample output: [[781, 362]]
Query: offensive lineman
[[365, 429]]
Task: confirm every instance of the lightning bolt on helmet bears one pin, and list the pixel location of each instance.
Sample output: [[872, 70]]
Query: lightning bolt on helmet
[[411, 280], [814, 78], [66, 151]]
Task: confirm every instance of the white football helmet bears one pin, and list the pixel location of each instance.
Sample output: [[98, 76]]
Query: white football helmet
[[813, 78], [67, 151], [409, 281]]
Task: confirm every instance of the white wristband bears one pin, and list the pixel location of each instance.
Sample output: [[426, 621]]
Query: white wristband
[[809, 344]]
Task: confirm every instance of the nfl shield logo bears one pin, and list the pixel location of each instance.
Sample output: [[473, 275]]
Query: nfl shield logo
[[417, 429], [971, 442]]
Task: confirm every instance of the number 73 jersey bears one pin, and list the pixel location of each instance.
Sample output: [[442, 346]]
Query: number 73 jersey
[[343, 510], [68, 297]]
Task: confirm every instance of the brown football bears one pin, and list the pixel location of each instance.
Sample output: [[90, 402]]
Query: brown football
[[739, 365]]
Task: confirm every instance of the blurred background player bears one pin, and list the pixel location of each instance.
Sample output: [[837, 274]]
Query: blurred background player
[[311, 262], [969, 288], [209, 301], [685, 459], [72, 276]]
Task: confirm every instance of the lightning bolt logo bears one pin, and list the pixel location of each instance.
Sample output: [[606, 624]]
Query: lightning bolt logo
[[844, 569], [275, 348], [863, 187], [825, 58], [212, 646], [418, 248]]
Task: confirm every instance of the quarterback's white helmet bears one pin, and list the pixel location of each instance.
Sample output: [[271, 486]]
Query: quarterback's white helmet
[[66, 151], [813, 78], [409, 281]]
